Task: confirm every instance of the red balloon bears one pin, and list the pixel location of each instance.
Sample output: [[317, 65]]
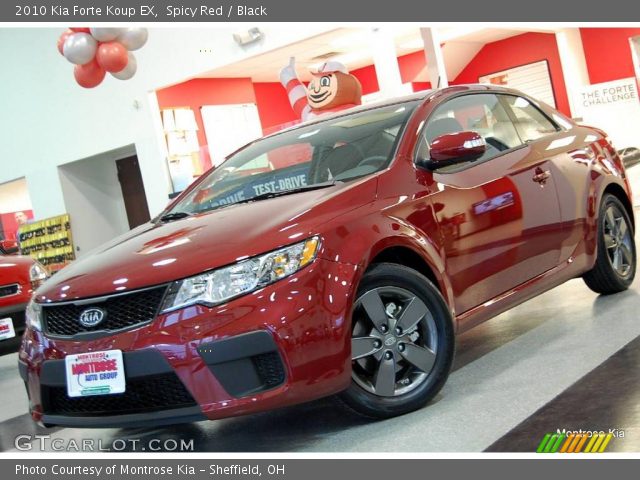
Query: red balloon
[[89, 75], [62, 38], [112, 56], [81, 29]]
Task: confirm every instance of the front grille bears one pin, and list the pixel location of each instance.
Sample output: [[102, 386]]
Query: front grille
[[153, 393], [270, 369], [7, 290], [122, 311]]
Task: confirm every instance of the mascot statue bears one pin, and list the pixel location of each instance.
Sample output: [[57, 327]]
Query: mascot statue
[[332, 89]]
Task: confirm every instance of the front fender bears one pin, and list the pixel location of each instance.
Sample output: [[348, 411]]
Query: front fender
[[370, 230]]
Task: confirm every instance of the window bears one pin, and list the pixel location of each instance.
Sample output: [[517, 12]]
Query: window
[[480, 113], [336, 149], [531, 123]]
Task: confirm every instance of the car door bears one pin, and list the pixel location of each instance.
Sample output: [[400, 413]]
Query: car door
[[568, 154], [499, 215]]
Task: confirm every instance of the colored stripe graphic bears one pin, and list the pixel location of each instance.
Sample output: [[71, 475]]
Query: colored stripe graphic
[[567, 443], [543, 443], [550, 443], [574, 443], [603, 447], [581, 443], [590, 444]]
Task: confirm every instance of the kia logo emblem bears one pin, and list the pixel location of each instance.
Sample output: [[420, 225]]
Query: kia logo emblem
[[92, 317]]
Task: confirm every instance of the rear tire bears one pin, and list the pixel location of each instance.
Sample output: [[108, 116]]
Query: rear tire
[[402, 342], [615, 266]]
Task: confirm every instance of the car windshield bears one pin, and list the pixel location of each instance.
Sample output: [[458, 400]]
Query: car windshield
[[309, 157]]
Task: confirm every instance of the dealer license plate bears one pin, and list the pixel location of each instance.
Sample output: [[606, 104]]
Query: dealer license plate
[[6, 329], [95, 373]]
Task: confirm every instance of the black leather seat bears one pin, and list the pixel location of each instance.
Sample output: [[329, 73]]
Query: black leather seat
[[340, 159], [442, 126]]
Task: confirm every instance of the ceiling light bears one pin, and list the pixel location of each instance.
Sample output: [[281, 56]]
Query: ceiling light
[[248, 37]]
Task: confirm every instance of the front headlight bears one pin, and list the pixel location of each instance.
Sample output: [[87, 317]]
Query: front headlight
[[33, 315], [219, 286], [37, 275]]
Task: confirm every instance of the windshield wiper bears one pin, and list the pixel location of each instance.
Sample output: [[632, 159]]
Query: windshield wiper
[[170, 217], [306, 188]]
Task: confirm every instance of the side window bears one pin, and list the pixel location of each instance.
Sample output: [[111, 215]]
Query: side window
[[480, 113], [531, 123]]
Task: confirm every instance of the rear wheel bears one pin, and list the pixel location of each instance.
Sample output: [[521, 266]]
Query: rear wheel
[[402, 342], [615, 265]]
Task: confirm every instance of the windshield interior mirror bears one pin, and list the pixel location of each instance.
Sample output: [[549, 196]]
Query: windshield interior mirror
[[453, 148]]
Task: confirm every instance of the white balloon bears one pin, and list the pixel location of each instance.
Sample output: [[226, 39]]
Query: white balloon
[[133, 38], [129, 71], [79, 48], [106, 34]]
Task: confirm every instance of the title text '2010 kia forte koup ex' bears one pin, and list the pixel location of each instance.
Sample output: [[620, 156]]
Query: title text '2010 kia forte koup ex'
[[337, 257]]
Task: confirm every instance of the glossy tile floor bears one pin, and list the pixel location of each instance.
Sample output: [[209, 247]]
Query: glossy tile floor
[[567, 359]]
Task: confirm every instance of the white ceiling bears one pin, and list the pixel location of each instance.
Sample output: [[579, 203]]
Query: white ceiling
[[351, 47]]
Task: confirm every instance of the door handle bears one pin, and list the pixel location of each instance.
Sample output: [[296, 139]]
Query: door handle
[[541, 176]]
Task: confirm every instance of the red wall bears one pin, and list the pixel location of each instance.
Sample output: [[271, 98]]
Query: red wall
[[206, 91], [517, 51], [368, 79], [273, 106], [419, 86], [608, 53], [411, 65]]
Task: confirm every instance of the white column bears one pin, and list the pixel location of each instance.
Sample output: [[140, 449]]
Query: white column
[[435, 59], [386, 62], [151, 149], [574, 65], [635, 51]]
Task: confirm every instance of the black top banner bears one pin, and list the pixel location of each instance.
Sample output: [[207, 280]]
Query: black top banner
[[319, 11]]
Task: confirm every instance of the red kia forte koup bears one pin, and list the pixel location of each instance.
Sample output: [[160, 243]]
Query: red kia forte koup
[[19, 278], [337, 257]]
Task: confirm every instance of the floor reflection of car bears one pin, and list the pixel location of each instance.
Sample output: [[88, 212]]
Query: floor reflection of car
[[19, 277], [337, 257], [630, 156]]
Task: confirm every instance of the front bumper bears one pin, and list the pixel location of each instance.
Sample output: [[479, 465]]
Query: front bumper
[[16, 313], [284, 344]]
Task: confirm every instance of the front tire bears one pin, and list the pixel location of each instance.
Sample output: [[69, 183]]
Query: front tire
[[615, 266], [402, 342]]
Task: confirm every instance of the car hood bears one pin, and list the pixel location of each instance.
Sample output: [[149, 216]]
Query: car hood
[[14, 269], [154, 254]]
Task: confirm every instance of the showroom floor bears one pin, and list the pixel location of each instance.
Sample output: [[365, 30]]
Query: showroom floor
[[567, 359]]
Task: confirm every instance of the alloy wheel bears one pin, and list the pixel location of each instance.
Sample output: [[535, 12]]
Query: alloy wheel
[[617, 239], [394, 341]]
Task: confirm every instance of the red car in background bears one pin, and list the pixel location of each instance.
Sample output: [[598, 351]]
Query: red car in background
[[19, 278], [340, 256]]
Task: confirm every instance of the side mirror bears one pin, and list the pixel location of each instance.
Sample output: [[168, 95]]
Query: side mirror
[[453, 148]]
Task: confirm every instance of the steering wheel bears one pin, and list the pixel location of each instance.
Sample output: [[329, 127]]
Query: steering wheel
[[375, 160]]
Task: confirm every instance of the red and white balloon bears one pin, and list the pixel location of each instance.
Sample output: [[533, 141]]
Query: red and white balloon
[[96, 51]]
